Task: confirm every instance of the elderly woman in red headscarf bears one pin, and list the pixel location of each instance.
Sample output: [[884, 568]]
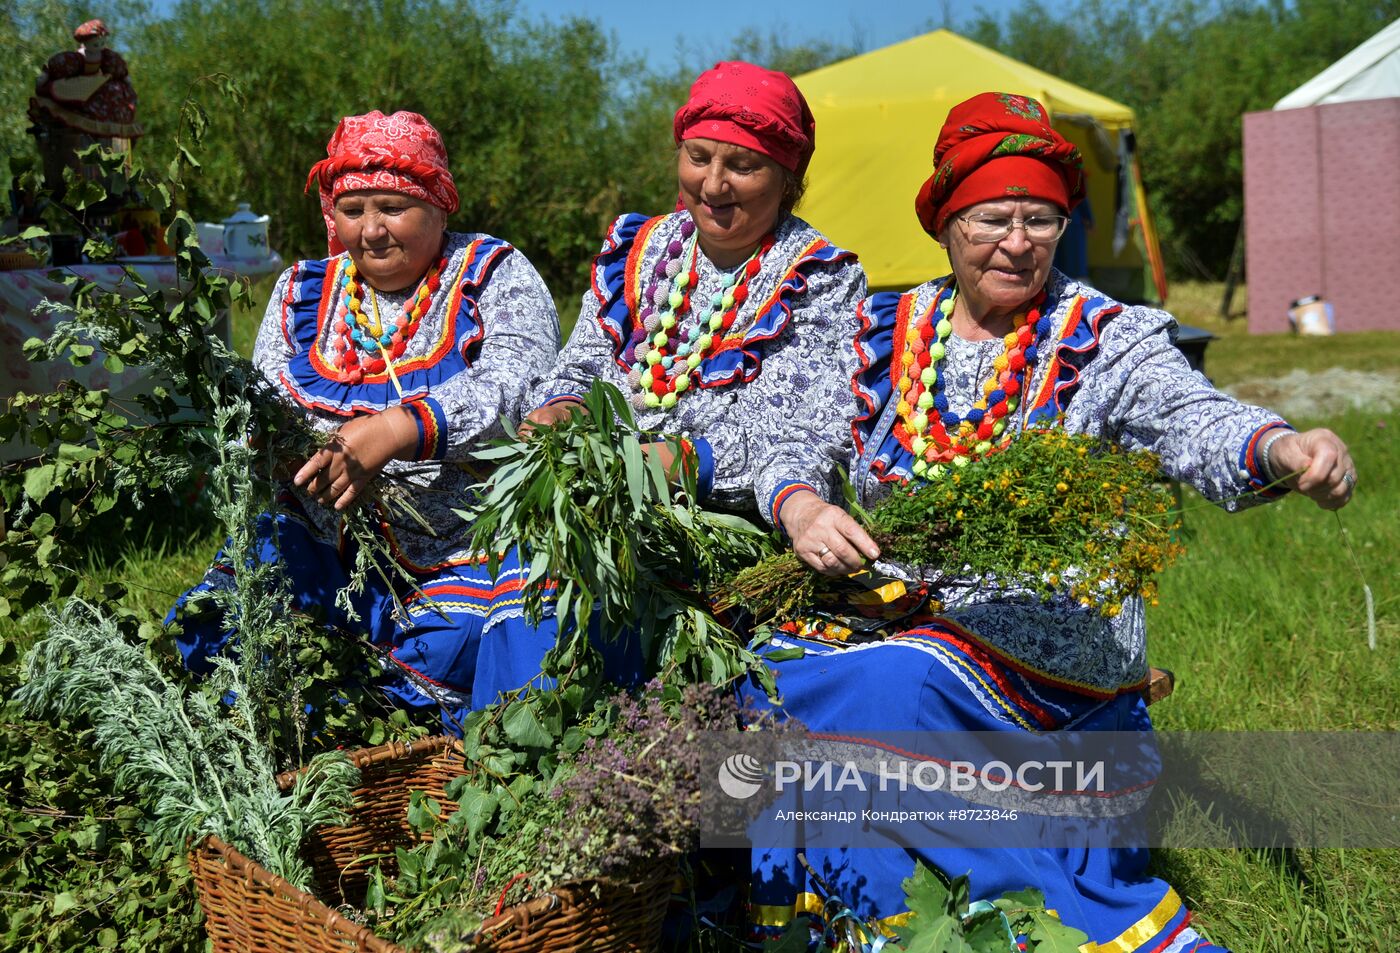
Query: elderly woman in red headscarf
[[406, 346], [727, 321], [952, 371]]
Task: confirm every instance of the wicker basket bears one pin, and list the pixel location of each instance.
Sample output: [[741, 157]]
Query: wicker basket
[[598, 916], [247, 909], [11, 260]]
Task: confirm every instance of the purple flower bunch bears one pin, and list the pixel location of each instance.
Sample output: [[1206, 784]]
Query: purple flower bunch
[[634, 797]]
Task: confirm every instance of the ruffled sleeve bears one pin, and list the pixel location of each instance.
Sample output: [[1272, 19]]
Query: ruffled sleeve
[[275, 345], [507, 334], [1139, 391], [604, 321], [789, 428]]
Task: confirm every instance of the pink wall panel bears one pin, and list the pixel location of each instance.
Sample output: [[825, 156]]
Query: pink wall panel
[[1312, 177], [1282, 214], [1361, 212]]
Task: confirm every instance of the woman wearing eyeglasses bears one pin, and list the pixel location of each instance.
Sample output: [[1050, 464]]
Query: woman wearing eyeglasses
[[950, 372]]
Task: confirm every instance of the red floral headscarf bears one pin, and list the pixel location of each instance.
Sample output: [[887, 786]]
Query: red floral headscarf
[[750, 106], [90, 29], [398, 153], [994, 146]]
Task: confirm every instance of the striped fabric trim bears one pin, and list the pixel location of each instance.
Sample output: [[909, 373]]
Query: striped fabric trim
[[1071, 345], [1188, 941], [978, 657], [428, 416], [288, 299], [493, 600], [1029, 671], [633, 279], [1250, 466], [768, 921], [1163, 923], [781, 495]]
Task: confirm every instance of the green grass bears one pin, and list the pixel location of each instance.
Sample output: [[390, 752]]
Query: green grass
[[1262, 621], [1237, 355]]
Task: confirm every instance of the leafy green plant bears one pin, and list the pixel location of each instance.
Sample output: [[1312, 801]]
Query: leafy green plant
[[95, 461], [201, 767], [77, 869], [598, 514], [945, 921], [605, 798]]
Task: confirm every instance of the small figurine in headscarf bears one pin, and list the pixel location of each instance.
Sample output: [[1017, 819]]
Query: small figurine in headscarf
[[87, 89]]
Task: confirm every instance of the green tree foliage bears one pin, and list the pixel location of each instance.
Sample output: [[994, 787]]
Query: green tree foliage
[[30, 32], [1191, 69], [552, 133], [541, 150]]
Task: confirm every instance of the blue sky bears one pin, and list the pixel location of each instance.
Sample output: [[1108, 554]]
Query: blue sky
[[708, 29], [655, 30]]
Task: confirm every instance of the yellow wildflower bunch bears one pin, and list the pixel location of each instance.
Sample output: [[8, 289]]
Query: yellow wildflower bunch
[[1055, 513], [1068, 514]]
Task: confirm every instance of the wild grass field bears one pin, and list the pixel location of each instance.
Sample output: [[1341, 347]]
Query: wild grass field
[[1263, 622]]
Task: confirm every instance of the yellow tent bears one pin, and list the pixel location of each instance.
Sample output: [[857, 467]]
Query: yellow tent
[[878, 115]]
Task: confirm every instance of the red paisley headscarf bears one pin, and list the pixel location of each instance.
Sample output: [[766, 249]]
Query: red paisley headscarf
[[747, 105], [398, 153], [995, 146], [90, 29]]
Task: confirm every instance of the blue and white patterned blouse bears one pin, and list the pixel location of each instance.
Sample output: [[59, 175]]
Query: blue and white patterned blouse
[[772, 410], [491, 329], [1113, 372]]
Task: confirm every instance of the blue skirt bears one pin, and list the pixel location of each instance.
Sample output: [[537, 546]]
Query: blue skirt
[[935, 678], [463, 642]]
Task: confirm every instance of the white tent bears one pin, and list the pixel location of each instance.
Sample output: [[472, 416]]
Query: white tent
[[1371, 71]]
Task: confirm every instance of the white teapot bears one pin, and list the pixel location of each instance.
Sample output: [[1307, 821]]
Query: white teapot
[[245, 234]]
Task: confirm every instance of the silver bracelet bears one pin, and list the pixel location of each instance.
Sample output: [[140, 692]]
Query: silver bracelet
[[1265, 465]]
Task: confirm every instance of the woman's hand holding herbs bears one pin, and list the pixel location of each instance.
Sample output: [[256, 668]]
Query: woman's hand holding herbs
[[1323, 468], [552, 414], [355, 454], [825, 537], [548, 416]]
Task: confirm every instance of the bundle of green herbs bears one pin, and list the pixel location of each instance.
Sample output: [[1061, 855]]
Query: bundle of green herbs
[[596, 513], [1054, 512], [200, 768], [607, 799], [942, 918], [200, 759]]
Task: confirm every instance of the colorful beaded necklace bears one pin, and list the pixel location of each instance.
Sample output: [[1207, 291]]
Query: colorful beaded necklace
[[663, 360], [933, 433], [381, 343]]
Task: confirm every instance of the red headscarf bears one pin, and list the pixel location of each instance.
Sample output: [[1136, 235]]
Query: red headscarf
[[398, 153], [994, 146], [91, 29], [750, 106]]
